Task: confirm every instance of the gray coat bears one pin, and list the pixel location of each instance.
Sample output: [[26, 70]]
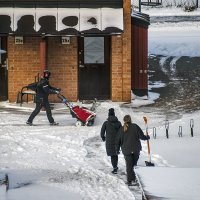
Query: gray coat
[[129, 141], [109, 132]]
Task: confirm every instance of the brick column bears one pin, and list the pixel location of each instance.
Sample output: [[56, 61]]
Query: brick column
[[126, 53], [121, 59]]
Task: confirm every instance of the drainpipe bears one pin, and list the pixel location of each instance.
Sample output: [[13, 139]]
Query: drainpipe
[[43, 54]]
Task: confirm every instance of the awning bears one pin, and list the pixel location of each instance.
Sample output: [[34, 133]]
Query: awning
[[61, 17]]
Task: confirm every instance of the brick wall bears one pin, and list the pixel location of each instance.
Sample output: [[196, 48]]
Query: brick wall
[[23, 64], [121, 59], [126, 37], [62, 62], [117, 70]]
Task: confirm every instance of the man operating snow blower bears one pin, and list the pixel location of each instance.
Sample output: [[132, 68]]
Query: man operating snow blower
[[43, 89]]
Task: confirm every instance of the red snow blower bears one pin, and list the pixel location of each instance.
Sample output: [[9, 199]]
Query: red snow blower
[[83, 115], [148, 163]]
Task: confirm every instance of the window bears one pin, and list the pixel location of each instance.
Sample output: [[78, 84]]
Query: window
[[0, 51], [94, 50]]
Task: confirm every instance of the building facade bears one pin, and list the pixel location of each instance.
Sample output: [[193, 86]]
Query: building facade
[[86, 44]]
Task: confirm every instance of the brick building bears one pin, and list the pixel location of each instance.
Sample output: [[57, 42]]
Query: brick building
[[86, 44]]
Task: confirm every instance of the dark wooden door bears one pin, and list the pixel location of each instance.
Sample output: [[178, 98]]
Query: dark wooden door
[[3, 70], [94, 68], [139, 58]]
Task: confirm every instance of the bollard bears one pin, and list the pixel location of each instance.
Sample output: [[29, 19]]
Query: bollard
[[154, 132], [180, 134], [167, 128], [191, 126]]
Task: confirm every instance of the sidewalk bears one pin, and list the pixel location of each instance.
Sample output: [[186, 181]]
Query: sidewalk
[[57, 108]]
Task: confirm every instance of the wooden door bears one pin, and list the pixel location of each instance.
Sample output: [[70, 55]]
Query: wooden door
[[94, 68]]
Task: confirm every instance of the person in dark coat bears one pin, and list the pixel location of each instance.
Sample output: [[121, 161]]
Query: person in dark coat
[[42, 92], [109, 132], [128, 139]]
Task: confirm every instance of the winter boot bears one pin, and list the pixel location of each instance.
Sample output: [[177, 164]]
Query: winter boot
[[114, 171], [54, 123], [29, 123], [131, 183]]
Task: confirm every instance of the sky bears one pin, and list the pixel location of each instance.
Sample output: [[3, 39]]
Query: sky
[[69, 162]]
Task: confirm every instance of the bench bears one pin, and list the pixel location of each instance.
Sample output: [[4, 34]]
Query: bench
[[27, 92]]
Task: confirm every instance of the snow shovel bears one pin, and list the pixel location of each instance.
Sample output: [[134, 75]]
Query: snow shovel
[[148, 163]]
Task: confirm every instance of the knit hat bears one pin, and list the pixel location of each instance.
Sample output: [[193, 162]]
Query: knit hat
[[46, 74], [111, 112]]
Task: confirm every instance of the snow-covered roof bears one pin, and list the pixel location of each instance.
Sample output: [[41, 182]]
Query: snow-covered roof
[[140, 17], [61, 21]]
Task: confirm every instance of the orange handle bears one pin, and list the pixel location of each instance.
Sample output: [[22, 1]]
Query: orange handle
[[148, 145], [145, 119]]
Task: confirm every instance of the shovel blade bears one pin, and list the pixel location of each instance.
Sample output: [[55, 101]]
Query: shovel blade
[[149, 164]]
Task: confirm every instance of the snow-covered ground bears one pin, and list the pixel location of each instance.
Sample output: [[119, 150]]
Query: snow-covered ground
[[174, 39], [57, 159], [69, 162]]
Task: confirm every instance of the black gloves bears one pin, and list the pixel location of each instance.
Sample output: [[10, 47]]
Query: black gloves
[[103, 139], [57, 91], [148, 137]]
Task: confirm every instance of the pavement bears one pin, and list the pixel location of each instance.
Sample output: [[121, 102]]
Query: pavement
[[182, 86]]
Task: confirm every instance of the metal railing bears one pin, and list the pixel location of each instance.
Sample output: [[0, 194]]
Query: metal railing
[[137, 4], [180, 129]]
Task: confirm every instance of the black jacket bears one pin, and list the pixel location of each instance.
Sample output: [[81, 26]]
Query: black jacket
[[129, 141], [44, 89], [109, 132]]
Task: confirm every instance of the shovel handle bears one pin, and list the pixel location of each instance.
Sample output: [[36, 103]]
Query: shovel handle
[[148, 145], [145, 119]]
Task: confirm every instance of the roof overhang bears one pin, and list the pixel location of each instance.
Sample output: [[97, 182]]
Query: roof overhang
[[61, 17], [140, 19]]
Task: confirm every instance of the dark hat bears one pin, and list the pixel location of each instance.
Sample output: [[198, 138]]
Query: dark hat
[[47, 74], [111, 112]]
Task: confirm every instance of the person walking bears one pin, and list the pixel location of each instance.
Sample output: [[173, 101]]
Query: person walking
[[128, 140], [42, 92], [109, 132]]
